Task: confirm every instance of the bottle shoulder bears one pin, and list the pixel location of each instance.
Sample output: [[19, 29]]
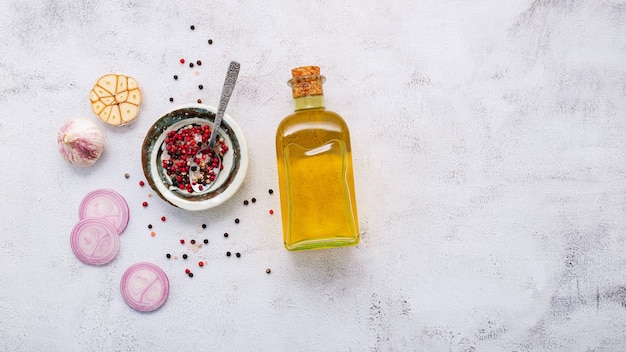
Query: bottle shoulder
[[313, 118]]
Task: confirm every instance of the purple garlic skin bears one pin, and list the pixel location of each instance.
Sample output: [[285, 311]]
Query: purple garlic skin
[[80, 142]]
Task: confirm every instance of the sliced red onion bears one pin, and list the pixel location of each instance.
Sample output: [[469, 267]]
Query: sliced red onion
[[95, 241], [144, 286], [105, 204]]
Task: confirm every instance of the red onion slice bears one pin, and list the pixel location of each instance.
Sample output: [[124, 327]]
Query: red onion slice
[[106, 204], [95, 241], [144, 286]]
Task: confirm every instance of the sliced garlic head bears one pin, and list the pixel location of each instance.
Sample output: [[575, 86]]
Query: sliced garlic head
[[115, 99]]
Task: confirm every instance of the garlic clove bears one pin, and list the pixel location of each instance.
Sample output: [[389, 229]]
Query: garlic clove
[[97, 107], [134, 97], [114, 117], [121, 97], [122, 83], [108, 83], [104, 115], [128, 111]]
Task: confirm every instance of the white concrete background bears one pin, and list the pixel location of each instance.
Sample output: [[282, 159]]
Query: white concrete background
[[489, 144]]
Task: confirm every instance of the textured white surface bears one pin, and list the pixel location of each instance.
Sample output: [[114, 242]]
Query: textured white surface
[[489, 144]]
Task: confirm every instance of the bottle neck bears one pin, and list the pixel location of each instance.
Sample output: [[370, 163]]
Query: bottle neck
[[309, 102]]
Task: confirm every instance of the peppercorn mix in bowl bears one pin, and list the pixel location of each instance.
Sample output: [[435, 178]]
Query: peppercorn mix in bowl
[[170, 164]]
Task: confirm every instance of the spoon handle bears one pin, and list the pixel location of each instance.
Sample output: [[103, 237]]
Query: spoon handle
[[227, 91]]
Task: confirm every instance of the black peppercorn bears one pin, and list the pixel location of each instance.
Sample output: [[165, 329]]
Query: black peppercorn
[[210, 41], [193, 241], [238, 254], [225, 234], [184, 256], [271, 191], [191, 64], [175, 76], [190, 274], [198, 62], [193, 27], [268, 270], [203, 225], [171, 99], [237, 221], [253, 200], [149, 226], [245, 202], [199, 101], [200, 86], [168, 256], [206, 241], [228, 254]]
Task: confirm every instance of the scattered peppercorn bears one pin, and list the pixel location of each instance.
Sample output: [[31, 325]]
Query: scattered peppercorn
[[145, 204], [228, 254], [200, 263], [141, 183], [268, 270], [253, 200], [190, 274], [271, 212], [193, 27], [187, 271], [210, 41], [225, 234], [200, 86], [184, 256], [271, 191], [191, 64], [237, 221], [152, 233], [206, 241], [204, 226], [163, 218], [198, 62], [238, 254], [182, 61], [199, 101], [245, 202], [127, 175], [175, 76], [149, 226], [168, 256], [171, 99], [182, 241], [193, 241]]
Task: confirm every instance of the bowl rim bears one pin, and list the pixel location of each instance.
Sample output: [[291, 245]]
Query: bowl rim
[[149, 162]]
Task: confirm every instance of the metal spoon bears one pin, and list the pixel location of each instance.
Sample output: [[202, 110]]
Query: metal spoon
[[206, 172]]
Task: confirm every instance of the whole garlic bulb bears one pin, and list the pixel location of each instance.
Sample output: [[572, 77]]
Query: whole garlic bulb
[[80, 142]]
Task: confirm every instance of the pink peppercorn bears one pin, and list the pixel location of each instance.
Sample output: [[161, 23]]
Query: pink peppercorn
[[145, 204]]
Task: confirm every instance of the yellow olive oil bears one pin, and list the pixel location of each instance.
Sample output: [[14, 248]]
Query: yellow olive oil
[[318, 205]]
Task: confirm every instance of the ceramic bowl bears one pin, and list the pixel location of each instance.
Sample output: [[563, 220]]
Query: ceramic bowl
[[234, 162]]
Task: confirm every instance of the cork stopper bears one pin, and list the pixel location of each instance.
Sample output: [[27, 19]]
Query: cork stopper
[[306, 81]]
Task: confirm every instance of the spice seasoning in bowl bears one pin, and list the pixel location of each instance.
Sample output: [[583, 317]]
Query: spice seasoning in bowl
[[168, 153]]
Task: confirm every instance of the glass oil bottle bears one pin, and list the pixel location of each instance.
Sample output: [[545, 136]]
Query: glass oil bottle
[[313, 152]]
